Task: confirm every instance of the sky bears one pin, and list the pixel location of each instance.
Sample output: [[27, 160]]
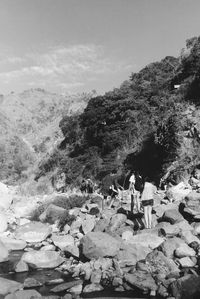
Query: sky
[[75, 46]]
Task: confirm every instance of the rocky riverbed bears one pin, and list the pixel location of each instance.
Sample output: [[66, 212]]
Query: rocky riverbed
[[103, 252]]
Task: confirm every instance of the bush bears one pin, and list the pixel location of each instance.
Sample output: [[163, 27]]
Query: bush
[[66, 218]]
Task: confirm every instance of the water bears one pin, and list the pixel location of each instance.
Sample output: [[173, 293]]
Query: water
[[7, 271]]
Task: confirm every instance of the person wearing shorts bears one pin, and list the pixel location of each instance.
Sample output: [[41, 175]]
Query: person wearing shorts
[[147, 199]]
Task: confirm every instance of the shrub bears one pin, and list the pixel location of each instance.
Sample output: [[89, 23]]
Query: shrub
[[66, 218]]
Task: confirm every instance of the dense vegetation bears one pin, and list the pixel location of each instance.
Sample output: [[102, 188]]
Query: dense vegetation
[[140, 125]]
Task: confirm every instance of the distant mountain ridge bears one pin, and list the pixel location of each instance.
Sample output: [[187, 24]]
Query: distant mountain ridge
[[29, 126]]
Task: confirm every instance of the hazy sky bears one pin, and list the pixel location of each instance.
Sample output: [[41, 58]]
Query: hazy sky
[[80, 45]]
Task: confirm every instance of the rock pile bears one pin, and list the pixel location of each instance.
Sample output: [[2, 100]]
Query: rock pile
[[103, 249]]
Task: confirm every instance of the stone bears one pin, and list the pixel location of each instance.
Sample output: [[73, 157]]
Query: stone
[[66, 286], [93, 287], [186, 262], [116, 221], [33, 232], [62, 241], [77, 289], [186, 287], [130, 255], [3, 223], [126, 235], [196, 227], [88, 224], [172, 216], [25, 294], [42, 259], [3, 252], [158, 263], [146, 240], [31, 282], [101, 225], [67, 296], [72, 250], [95, 277], [98, 244], [49, 247], [184, 250], [13, 244], [141, 280], [8, 286], [54, 281], [170, 245], [178, 192], [189, 237], [21, 266], [52, 214], [66, 229]]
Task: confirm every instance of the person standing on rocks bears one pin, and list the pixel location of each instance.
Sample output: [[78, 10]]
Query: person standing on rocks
[[132, 189], [147, 199]]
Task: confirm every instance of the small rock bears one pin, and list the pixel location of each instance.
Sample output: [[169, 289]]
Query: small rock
[[33, 232], [184, 250], [186, 262], [42, 259], [21, 266], [67, 285], [49, 247], [95, 277], [62, 241], [25, 294], [92, 288], [77, 289], [8, 286], [31, 282]]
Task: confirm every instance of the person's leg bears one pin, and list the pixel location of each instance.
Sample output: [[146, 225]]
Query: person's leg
[[132, 202], [138, 201], [146, 216]]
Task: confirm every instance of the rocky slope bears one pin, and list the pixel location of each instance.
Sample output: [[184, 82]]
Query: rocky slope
[[106, 248]]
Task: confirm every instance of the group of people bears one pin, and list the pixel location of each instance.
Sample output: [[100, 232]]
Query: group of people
[[142, 194]]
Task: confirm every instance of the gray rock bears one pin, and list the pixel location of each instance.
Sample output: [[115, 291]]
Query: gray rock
[[13, 244], [184, 250], [31, 282], [33, 232], [186, 262], [101, 225], [77, 289], [25, 294], [3, 252], [62, 241], [88, 224], [21, 266], [3, 222], [66, 286], [98, 244], [42, 259], [116, 221], [8, 286], [172, 216], [95, 277], [189, 237], [146, 240], [93, 287], [170, 245], [186, 287], [143, 281]]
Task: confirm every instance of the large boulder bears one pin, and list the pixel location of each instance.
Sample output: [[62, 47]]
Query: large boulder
[[52, 214], [98, 244], [170, 245], [172, 216], [146, 240], [130, 255], [116, 221], [3, 223], [42, 259], [33, 232], [186, 287], [13, 244], [3, 252], [192, 204], [158, 263], [141, 280], [24, 294], [8, 286], [178, 192]]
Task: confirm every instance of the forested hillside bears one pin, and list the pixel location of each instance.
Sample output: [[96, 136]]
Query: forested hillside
[[148, 123], [29, 126]]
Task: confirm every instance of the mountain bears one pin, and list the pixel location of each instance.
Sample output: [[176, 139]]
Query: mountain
[[29, 126], [152, 121]]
